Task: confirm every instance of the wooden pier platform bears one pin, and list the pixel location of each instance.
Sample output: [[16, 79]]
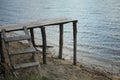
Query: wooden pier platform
[[42, 25]]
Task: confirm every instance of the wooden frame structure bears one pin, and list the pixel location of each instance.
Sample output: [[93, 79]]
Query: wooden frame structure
[[42, 25]]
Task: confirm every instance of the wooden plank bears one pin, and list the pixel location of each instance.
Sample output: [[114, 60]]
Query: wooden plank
[[25, 30], [27, 33], [74, 42], [60, 41], [24, 65], [44, 43], [28, 50], [41, 23], [17, 38], [42, 46]]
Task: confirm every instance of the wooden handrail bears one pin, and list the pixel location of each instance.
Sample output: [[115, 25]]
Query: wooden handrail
[[15, 27]]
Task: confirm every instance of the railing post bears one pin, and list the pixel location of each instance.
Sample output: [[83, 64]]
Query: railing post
[[44, 43], [2, 55], [32, 36], [74, 42], [1, 49], [60, 41]]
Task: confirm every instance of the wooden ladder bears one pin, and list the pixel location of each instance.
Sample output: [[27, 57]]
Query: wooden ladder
[[29, 50]]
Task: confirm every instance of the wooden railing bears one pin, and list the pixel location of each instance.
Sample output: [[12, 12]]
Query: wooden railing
[[42, 25]]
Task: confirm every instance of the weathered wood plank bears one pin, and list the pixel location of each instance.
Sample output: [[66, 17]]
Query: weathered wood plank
[[60, 41], [41, 23], [42, 46], [24, 65], [74, 42], [25, 30], [28, 50], [17, 38], [44, 43]]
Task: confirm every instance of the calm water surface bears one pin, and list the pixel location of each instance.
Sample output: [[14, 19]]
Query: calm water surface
[[98, 26]]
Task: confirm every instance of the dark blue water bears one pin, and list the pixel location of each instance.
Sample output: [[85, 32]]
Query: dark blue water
[[98, 26]]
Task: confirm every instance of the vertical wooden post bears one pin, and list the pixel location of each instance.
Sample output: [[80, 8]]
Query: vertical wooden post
[[32, 36], [44, 43], [1, 50], [60, 41], [74, 41], [2, 55]]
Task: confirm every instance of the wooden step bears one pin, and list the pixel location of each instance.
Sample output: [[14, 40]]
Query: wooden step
[[42, 46], [28, 50], [17, 38], [25, 65]]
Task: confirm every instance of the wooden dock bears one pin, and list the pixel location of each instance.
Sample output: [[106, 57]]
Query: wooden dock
[[42, 25]]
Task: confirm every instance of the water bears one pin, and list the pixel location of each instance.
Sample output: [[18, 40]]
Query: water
[[98, 26]]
